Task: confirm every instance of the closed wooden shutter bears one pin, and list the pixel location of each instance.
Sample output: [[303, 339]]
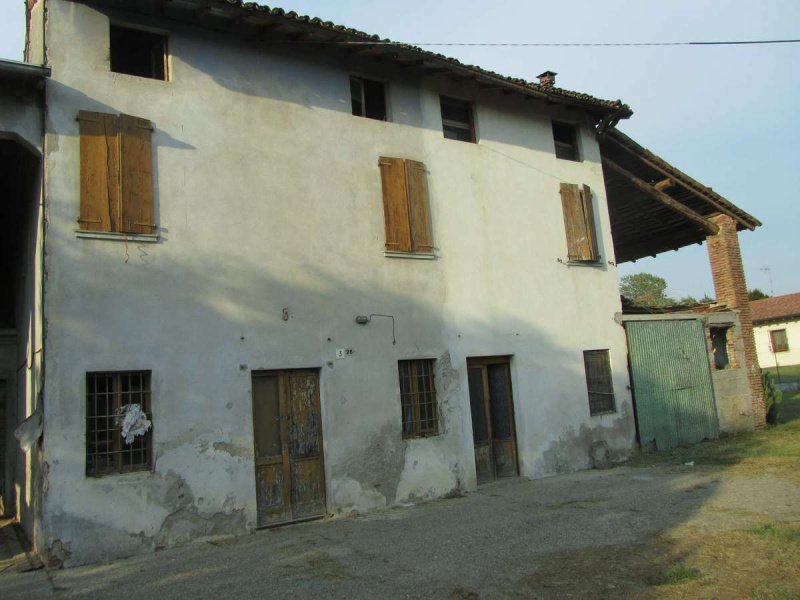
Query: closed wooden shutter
[[579, 222], [100, 198], [395, 204], [418, 203], [588, 217], [136, 175]]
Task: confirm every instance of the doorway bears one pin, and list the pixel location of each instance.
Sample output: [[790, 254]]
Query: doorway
[[287, 427], [492, 407]]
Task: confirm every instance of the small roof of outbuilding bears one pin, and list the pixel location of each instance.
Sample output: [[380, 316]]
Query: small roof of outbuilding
[[776, 308]]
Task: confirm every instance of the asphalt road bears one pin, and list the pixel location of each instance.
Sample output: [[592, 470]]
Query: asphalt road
[[487, 544]]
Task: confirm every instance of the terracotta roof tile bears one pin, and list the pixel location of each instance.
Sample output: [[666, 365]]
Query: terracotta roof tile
[[779, 307], [617, 106]]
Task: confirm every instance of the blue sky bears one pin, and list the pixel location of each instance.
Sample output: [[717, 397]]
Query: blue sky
[[726, 115]]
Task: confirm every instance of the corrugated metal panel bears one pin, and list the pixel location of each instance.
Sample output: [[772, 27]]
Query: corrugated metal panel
[[672, 383]]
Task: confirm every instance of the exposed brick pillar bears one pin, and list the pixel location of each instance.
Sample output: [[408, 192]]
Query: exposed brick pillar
[[731, 289]]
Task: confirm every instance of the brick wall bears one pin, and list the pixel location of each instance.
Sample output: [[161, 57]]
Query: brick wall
[[731, 289]]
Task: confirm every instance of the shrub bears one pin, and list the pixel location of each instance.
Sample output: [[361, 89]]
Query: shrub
[[772, 397]]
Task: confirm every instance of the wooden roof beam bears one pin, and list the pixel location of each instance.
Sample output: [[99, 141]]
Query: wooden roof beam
[[660, 196], [723, 209]]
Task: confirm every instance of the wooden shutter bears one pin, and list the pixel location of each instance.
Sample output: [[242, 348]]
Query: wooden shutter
[[395, 204], [100, 198], [579, 222], [136, 175], [418, 207]]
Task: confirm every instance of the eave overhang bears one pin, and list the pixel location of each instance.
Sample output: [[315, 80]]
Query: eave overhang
[[655, 207], [12, 70], [265, 26]]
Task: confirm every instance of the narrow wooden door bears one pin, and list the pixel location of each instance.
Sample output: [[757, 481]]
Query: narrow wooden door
[[290, 475], [492, 408]]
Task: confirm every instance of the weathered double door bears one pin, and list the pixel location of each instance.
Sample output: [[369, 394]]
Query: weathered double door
[[290, 475], [492, 409]]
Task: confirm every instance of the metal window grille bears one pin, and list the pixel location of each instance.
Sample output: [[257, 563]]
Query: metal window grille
[[418, 398], [598, 381], [106, 450]]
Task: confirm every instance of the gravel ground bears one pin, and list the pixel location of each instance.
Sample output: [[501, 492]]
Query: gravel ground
[[508, 540]]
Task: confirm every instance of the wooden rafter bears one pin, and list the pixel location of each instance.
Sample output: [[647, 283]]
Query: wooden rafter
[[653, 165], [660, 196]]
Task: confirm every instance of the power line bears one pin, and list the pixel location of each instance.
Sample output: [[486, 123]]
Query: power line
[[587, 44]]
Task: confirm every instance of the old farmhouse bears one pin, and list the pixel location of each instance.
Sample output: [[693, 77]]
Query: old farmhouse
[[258, 281]]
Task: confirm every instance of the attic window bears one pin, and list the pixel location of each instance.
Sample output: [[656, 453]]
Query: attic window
[[565, 137], [457, 121], [139, 53], [368, 98]]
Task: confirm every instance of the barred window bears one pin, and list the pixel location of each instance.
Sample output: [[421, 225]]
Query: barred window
[[598, 381], [418, 398], [118, 429]]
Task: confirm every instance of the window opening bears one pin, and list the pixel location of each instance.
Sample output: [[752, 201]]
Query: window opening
[[565, 137], [115, 444], [418, 398], [780, 343], [368, 98], [598, 381], [720, 342], [137, 52], [457, 120]]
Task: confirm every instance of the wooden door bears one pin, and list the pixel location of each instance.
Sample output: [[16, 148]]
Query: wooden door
[[492, 408], [290, 475]]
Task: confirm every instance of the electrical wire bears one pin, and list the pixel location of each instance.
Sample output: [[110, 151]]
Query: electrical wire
[[559, 45]]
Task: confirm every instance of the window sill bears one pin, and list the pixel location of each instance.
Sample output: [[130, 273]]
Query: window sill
[[582, 263], [414, 255], [147, 238], [603, 413]]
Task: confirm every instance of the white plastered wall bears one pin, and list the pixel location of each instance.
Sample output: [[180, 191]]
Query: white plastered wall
[[769, 359], [268, 196]]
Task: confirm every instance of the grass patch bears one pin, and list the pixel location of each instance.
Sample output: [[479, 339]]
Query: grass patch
[[676, 574], [777, 533], [778, 443], [787, 374]]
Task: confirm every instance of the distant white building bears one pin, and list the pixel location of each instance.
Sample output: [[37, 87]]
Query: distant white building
[[776, 326]]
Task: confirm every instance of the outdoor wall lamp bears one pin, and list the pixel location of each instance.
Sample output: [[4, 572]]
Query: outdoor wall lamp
[[364, 319]]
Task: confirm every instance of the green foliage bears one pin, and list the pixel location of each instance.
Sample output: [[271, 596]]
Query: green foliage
[[757, 294], [777, 533], [676, 574], [772, 397], [645, 289]]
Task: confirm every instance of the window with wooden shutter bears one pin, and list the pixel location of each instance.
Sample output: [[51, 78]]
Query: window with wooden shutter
[[116, 173], [579, 222], [406, 207]]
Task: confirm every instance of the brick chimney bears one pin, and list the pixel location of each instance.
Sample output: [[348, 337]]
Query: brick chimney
[[547, 79], [731, 289]]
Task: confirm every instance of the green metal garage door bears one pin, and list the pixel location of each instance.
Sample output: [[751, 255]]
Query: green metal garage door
[[672, 383]]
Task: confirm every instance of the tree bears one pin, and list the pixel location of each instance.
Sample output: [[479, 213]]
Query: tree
[[645, 289], [757, 294]]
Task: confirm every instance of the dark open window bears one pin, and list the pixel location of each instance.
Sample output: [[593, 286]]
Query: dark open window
[[565, 137], [457, 121], [720, 344], [368, 98], [118, 427], [418, 398], [780, 343], [137, 52], [598, 381]]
